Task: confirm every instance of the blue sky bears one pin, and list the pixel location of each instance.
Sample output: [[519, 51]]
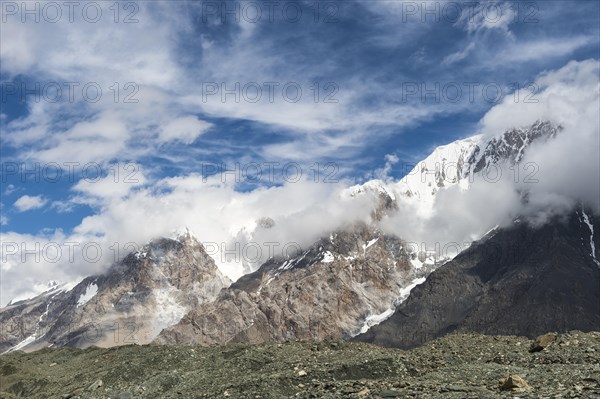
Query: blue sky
[[372, 54]]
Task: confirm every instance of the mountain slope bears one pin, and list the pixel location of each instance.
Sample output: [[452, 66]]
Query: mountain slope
[[335, 289], [519, 281]]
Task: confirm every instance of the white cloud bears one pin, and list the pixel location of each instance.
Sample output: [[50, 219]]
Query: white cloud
[[122, 179], [11, 189], [27, 203], [185, 129], [458, 56], [566, 96], [488, 15], [219, 216], [536, 50], [170, 91]]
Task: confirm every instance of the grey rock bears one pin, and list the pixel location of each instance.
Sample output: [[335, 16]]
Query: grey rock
[[95, 385]]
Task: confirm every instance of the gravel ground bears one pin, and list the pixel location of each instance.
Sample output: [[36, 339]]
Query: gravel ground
[[456, 366]]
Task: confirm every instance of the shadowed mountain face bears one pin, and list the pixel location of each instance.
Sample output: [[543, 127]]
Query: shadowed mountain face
[[520, 280]]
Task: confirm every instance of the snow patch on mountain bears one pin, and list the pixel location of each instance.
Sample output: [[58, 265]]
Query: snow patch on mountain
[[374, 319], [405, 292], [369, 244], [444, 167], [29, 340], [372, 186], [90, 292], [586, 219], [50, 288], [328, 257]]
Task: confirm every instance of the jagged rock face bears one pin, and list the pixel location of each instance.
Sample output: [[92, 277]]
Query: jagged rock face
[[332, 290], [510, 146], [459, 162], [131, 303], [519, 281]]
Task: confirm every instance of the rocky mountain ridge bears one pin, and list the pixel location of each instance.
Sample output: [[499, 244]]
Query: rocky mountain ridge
[[332, 290], [521, 280]]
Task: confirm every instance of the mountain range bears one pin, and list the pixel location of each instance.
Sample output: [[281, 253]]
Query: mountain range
[[359, 282]]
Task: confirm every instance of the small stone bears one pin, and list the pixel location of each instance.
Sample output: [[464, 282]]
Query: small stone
[[542, 342], [514, 383], [97, 384], [301, 373], [52, 364], [458, 388], [389, 394], [363, 393]]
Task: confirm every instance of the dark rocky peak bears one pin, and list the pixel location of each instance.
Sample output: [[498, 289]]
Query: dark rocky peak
[[520, 280]]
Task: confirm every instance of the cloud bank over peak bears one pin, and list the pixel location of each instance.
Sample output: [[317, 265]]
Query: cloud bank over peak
[[553, 177]]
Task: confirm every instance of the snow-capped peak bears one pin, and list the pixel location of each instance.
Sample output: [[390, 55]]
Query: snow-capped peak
[[372, 186], [444, 167]]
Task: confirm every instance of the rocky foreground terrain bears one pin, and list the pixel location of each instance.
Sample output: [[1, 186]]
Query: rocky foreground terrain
[[455, 366]]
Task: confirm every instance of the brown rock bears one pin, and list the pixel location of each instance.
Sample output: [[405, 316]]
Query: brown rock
[[542, 342], [514, 383]]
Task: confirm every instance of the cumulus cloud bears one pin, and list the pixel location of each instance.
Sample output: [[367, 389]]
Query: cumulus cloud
[[225, 220], [27, 203]]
